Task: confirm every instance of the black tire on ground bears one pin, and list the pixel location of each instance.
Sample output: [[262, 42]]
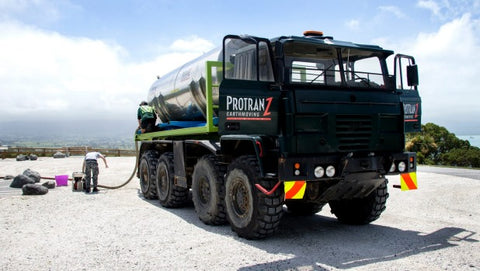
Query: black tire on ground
[[208, 190], [147, 170], [169, 195], [251, 214], [361, 211], [301, 208]]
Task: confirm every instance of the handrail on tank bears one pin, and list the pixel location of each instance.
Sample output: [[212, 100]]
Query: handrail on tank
[[209, 126], [209, 94]]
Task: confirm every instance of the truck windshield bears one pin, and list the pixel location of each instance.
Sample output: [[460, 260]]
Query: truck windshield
[[318, 64]]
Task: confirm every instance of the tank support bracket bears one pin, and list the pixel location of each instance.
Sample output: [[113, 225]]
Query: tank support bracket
[[180, 178]]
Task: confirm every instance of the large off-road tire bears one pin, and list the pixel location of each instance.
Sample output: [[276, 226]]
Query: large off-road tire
[[302, 208], [168, 193], [148, 169], [208, 190], [251, 214], [361, 211]]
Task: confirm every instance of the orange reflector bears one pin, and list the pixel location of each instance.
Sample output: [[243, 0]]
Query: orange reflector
[[295, 189], [408, 181]]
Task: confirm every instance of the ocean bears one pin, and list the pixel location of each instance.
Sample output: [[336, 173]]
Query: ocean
[[473, 139]]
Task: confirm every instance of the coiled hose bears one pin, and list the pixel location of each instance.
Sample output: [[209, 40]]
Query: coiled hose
[[131, 176]]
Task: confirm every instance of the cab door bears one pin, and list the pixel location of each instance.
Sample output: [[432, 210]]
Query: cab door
[[406, 77], [248, 102]]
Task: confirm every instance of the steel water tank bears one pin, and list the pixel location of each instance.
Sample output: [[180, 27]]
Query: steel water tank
[[180, 94]]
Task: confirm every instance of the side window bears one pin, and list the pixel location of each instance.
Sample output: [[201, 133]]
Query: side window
[[247, 60], [365, 72]]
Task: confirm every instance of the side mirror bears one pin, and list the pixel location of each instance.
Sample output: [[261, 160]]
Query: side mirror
[[412, 75]]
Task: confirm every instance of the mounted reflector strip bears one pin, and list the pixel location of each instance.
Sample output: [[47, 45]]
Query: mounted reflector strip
[[408, 181], [294, 189]]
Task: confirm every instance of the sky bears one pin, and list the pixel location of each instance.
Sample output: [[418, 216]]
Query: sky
[[90, 59]]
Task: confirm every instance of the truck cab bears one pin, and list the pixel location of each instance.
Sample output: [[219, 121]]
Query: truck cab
[[322, 115]]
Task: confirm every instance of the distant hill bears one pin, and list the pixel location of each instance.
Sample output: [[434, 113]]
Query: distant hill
[[95, 133]]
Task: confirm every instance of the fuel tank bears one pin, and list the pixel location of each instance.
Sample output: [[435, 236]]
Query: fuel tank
[[180, 94]]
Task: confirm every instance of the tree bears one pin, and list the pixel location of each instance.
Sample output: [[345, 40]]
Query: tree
[[462, 158], [445, 140], [435, 145]]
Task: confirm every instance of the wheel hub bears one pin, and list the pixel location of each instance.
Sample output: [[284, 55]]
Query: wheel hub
[[240, 199], [144, 176], [163, 183]]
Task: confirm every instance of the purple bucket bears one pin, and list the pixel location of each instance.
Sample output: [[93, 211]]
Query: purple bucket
[[62, 180]]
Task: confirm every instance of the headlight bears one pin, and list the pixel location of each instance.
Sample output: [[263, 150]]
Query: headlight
[[402, 166], [392, 167], [330, 171], [319, 172]]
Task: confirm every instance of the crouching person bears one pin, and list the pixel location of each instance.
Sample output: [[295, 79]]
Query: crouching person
[[90, 167], [146, 118]]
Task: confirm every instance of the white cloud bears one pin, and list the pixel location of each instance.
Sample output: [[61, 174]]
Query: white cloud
[[34, 10], [47, 75], [430, 5], [353, 24], [190, 44], [393, 10], [17, 5], [450, 9], [449, 66]]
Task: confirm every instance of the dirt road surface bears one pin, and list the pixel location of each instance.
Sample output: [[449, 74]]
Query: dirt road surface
[[434, 228]]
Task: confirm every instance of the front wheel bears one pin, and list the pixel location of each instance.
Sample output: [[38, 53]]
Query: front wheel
[[251, 214], [361, 211]]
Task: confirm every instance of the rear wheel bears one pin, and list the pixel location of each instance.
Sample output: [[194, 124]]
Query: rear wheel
[[252, 214], [208, 190], [168, 193], [361, 211], [147, 169]]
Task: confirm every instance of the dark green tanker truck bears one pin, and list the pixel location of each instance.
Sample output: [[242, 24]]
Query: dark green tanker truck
[[292, 122]]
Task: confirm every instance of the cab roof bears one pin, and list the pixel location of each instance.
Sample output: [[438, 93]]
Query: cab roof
[[330, 41]]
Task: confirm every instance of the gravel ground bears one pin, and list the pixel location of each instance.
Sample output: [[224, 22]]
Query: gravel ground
[[433, 228]]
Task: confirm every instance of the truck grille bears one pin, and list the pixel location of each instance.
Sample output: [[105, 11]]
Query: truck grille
[[353, 132]]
